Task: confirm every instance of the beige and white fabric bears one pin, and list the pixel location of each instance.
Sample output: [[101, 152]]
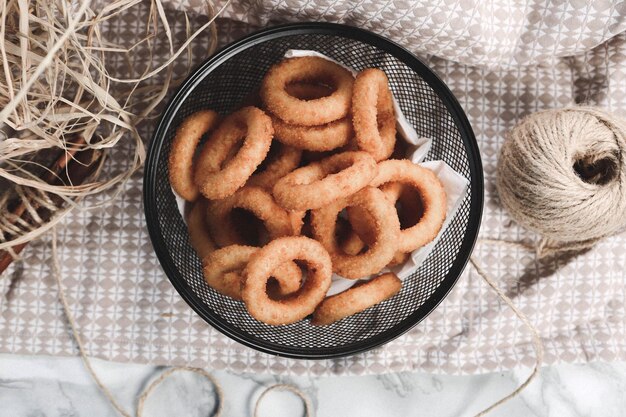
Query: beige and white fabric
[[503, 61], [474, 32]]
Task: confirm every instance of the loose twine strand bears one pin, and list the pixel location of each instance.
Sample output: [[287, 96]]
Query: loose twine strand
[[286, 387], [79, 341], [148, 391], [537, 343], [562, 174]]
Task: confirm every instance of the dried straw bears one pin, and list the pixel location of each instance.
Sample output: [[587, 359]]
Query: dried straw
[[60, 78]]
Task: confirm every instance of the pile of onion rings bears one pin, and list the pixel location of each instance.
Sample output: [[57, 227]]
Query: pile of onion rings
[[296, 185]]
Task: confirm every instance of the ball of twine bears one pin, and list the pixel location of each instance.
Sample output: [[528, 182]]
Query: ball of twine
[[562, 174]]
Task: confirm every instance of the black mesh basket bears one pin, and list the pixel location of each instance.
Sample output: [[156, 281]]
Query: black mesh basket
[[221, 83]]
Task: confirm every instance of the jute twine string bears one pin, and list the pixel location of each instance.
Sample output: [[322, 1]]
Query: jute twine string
[[286, 387], [148, 391], [536, 338], [79, 341], [562, 174]]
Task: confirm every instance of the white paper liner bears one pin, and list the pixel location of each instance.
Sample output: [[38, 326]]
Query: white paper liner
[[454, 184]]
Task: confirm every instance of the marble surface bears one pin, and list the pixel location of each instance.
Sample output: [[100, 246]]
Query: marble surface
[[34, 386]]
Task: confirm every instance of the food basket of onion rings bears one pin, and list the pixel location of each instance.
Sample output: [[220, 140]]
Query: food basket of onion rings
[[313, 190]]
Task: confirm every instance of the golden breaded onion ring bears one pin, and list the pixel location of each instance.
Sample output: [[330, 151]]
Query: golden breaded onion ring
[[373, 116], [386, 226], [183, 149], [314, 138], [256, 200], [255, 128], [323, 182], [356, 299], [363, 234], [432, 195], [313, 112], [222, 271], [278, 164], [296, 306]]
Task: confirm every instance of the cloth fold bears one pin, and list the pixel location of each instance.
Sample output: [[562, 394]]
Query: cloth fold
[[473, 32]]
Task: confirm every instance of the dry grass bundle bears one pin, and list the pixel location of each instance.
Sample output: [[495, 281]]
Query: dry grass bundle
[[60, 79]]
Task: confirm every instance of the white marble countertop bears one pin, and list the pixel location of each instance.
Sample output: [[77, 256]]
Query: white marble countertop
[[33, 386]]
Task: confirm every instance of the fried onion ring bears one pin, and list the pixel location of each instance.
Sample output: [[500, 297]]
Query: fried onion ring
[[257, 201], [297, 221], [306, 70], [216, 181], [325, 137], [279, 164], [298, 305], [363, 234], [386, 225], [373, 115], [353, 245], [183, 149], [398, 259], [431, 193], [323, 182], [199, 237], [356, 299], [222, 272]]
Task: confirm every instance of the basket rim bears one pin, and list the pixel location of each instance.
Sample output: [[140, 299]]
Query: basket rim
[[439, 87]]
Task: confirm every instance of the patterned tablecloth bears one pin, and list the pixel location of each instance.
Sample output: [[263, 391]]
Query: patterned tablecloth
[[502, 61]]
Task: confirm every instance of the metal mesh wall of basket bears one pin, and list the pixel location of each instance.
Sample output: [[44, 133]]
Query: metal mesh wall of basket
[[221, 84]]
